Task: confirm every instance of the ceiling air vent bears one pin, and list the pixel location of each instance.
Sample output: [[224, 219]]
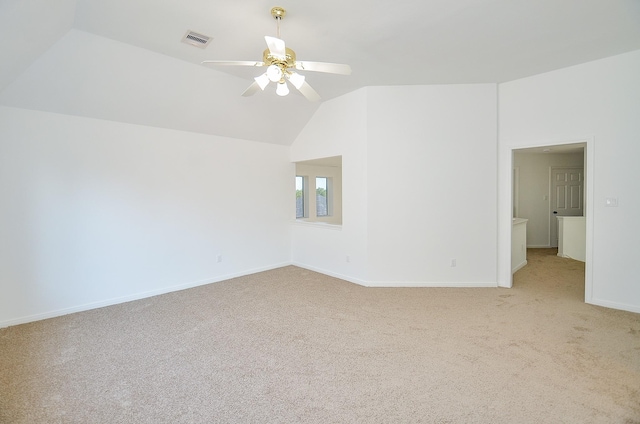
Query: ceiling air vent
[[196, 39]]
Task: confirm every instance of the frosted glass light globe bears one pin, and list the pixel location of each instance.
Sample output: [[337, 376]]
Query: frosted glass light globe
[[282, 89], [274, 73]]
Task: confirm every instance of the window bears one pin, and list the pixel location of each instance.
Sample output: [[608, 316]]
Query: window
[[319, 190], [299, 197], [322, 205]]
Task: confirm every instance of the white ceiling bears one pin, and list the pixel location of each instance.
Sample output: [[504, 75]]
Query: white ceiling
[[123, 60]]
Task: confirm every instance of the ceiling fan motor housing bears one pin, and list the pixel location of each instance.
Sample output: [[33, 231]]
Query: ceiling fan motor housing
[[289, 61]]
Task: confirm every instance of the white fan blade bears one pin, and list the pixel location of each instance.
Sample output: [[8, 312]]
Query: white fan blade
[[331, 68], [232, 62], [253, 89], [308, 92], [276, 47]]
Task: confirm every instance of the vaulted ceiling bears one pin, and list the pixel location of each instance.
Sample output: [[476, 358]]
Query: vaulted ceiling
[[123, 60]]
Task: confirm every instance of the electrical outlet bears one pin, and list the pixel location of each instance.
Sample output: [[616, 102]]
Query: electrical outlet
[[219, 258], [348, 258], [453, 263]]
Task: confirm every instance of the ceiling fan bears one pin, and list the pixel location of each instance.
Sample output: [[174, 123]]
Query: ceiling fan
[[281, 65]]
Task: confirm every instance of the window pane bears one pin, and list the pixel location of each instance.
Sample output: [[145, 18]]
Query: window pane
[[299, 197], [322, 208]]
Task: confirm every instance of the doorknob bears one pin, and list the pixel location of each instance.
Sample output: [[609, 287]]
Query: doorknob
[[555, 212]]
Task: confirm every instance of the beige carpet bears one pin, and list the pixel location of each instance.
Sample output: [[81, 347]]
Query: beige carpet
[[291, 345]]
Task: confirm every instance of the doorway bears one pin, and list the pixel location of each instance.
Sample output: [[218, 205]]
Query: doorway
[[507, 209]]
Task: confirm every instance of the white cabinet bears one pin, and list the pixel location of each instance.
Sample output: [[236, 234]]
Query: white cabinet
[[518, 244], [572, 237]]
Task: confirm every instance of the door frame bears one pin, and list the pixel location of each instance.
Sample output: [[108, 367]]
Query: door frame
[[515, 189], [505, 206]]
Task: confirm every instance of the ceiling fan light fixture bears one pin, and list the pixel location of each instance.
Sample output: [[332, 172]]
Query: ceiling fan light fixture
[[282, 89], [280, 63], [262, 80], [296, 79], [274, 73]]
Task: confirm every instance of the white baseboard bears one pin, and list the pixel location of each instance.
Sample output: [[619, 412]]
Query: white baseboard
[[184, 286], [615, 305], [331, 274], [522, 264], [540, 247], [433, 284], [393, 284], [135, 296]]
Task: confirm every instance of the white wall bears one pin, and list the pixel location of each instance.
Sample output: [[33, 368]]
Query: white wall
[[534, 195], [97, 212], [431, 161], [597, 101], [337, 129], [419, 186]]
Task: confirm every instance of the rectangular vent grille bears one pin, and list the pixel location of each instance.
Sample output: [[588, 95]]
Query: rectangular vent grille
[[196, 39]]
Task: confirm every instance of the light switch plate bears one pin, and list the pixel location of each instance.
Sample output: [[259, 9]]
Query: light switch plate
[[611, 202]]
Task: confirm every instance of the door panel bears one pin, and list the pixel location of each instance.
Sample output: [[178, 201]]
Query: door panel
[[567, 186]]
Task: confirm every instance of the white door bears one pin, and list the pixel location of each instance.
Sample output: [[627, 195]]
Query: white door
[[567, 197]]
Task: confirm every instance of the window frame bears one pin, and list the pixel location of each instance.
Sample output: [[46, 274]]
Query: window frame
[[330, 169], [304, 197], [327, 196]]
